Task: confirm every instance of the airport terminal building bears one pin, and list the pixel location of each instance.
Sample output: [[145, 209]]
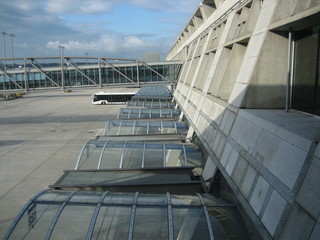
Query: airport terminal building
[[228, 151]]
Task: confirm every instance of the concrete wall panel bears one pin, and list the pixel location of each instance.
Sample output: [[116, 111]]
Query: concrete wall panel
[[248, 182], [246, 133], [259, 194], [298, 226], [309, 194], [273, 212]]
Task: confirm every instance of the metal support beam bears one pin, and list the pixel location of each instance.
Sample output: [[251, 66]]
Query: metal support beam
[[122, 154], [25, 74], [138, 75], [79, 70], [95, 216], [114, 68], [206, 213], [43, 72], [289, 74], [79, 157], [56, 217], [150, 68], [143, 154], [101, 154], [100, 73], [4, 71], [22, 212], [185, 161], [164, 155], [31, 60], [62, 74], [170, 217], [132, 217], [133, 127]]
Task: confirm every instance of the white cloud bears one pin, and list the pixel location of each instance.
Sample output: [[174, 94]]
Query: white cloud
[[111, 43], [77, 7], [180, 6], [84, 7], [41, 26]]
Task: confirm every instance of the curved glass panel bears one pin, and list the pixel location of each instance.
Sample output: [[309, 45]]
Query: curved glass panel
[[138, 127], [73, 222], [134, 155], [138, 113], [159, 91], [35, 222], [151, 223], [112, 223], [147, 98], [147, 215], [190, 223], [150, 104], [89, 157], [111, 152]]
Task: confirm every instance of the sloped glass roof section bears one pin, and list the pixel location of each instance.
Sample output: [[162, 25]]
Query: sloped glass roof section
[[140, 127], [55, 214], [151, 98], [150, 104], [138, 113], [135, 155], [182, 180], [155, 91]]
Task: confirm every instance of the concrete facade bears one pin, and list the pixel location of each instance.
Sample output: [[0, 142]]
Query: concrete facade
[[233, 91]]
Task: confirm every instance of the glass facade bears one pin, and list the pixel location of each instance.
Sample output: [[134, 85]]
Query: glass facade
[[37, 76], [306, 84]]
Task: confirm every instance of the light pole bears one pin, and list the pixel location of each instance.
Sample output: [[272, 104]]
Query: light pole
[[86, 54], [4, 46], [62, 51], [12, 36]]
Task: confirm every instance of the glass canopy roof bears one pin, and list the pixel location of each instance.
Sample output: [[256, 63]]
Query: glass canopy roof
[[182, 180], [55, 214], [140, 127], [155, 91], [151, 98], [136, 113], [134, 155], [150, 104]]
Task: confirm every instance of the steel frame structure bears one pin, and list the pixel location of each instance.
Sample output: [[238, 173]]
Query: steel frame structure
[[16, 76]]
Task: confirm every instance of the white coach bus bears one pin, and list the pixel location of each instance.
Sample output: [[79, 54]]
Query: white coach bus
[[111, 97]]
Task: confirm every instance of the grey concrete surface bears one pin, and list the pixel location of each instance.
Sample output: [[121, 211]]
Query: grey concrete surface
[[42, 134]]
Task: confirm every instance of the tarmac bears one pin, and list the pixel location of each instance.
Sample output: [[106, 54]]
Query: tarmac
[[42, 134]]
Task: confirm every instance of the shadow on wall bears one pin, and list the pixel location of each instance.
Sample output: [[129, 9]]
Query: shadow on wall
[[238, 142]]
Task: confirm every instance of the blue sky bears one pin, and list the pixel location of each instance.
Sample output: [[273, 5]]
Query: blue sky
[[106, 28]]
